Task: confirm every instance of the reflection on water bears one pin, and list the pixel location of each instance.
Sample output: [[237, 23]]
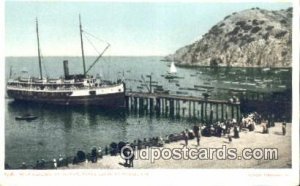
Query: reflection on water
[[64, 130]]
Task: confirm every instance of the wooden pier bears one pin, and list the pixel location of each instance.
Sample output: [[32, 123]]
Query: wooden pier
[[205, 109], [277, 103]]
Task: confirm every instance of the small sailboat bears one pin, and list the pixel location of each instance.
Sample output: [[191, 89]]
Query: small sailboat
[[173, 69], [172, 72]]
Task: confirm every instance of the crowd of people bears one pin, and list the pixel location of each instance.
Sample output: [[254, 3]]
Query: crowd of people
[[224, 128], [229, 126]]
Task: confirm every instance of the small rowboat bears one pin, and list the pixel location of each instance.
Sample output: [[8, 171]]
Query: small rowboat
[[27, 117]]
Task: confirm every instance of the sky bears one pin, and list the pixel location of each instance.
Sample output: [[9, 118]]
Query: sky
[[132, 29]]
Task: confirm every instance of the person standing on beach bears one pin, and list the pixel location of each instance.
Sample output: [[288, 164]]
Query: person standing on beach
[[100, 154], [126, 154], [94, 155], [284, 128], [264, 126], [60, 161], [106, 150], [229, 138], [196, 133], [236, 132], [185, 137], [54, 164], [272, 122], [131, 159], [198, 138], [268, 122]]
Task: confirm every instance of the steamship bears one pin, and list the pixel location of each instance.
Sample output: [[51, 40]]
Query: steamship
[[76, 89]]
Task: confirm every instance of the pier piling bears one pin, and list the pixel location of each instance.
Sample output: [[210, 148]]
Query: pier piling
[[208, 110]]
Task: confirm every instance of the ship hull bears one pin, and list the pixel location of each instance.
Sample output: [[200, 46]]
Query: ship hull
[[109, 100], [109, 96]]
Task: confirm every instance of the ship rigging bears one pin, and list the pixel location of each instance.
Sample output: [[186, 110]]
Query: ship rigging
[[77, 89]]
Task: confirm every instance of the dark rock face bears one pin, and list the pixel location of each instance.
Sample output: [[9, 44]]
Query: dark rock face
[[250, 38]]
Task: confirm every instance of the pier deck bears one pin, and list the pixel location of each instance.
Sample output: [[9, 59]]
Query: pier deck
[[176, 97]]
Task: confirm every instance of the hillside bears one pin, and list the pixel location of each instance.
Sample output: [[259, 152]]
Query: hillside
[[250, 38]]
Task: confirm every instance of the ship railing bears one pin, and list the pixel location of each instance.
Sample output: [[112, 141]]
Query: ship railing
[[58, 89]]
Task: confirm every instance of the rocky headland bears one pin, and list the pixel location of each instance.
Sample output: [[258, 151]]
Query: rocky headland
[[250, 38]]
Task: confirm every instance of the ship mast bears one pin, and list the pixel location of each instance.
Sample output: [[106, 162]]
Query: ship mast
[[82, 49], [39, 52]]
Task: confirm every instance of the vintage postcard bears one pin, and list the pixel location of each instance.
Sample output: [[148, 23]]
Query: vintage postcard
[[109, 89]]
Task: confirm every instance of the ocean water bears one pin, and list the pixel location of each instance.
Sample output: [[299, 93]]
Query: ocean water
[[64, 130]]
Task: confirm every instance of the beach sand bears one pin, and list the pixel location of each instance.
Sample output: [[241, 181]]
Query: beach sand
[[247, 139]]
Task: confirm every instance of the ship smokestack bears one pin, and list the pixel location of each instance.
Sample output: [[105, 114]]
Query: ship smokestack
[[66, 68]]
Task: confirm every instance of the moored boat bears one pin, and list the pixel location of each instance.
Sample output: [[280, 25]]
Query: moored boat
[[27, 117], [72, 89]]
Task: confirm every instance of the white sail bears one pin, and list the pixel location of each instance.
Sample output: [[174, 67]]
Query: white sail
[[173, 68]]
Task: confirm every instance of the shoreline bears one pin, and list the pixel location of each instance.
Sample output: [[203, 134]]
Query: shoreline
[[253, 140], [234, 67]]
